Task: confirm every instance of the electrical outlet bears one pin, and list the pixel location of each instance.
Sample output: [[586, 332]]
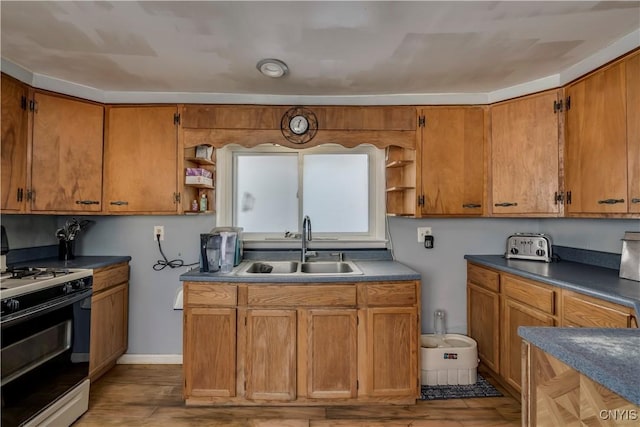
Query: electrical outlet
[[423, 231], [158, 230]]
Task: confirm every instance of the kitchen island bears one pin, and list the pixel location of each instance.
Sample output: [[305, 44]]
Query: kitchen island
[[325, 339], [580, 375]]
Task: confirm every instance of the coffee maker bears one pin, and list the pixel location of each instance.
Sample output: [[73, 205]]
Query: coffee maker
[[220, 248]]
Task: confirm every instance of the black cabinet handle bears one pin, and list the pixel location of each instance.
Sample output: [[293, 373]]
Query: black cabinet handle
[[87, 202], [610, 201], [119, 203], [635, 200], [505, 204], [471, 205], [19, 195]]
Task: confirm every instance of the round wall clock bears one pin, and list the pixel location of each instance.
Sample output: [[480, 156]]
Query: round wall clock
[[299, 125]]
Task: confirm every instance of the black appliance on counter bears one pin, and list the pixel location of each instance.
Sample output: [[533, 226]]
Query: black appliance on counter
[[45, 324]]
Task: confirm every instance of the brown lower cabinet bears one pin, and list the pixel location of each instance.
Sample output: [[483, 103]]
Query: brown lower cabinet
[[498, 303], [307, 344], [109, 318]]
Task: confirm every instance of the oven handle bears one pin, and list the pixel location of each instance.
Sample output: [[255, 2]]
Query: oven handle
[[45, 308]]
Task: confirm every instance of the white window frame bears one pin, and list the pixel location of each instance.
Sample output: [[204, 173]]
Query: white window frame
[[375, 238]]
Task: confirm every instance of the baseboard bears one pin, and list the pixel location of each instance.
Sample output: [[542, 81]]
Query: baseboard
[[150, 359]]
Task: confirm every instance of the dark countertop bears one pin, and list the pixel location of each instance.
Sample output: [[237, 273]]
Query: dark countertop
[[374, 271], [598, 282], [610, 357], [92, 262]]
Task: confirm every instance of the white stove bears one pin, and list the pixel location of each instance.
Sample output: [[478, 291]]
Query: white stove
[[45, 321], [25, 287]]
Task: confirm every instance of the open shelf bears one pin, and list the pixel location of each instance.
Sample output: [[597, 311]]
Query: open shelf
[[399, 188], [401, 181], [203, 186], [399, 163], [200, 161], [199, 212], [193, 190]]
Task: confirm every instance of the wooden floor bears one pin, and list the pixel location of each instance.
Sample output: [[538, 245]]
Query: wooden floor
[[151, 395]]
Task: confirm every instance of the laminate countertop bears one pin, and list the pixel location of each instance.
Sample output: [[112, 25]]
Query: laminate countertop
[[610, 357], [92, 262], [373, 271], [587, 279]]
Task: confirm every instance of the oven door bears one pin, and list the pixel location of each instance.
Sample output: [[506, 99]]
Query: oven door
[[45, 354]]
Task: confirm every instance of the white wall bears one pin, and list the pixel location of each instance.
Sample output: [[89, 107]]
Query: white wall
[[155, 328]]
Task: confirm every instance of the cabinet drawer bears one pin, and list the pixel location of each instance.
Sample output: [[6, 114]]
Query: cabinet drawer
[[105, 278], [583, 311], [529, 293], [388, 294], [199, 294], [301, 295], [483, 277]]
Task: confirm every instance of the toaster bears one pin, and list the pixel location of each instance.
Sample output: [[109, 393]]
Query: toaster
[[531, 246]]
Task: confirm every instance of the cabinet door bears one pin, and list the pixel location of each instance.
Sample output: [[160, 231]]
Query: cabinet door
[[633, 131], [583, 311], [452, 160], [483, 320], [392, 351], [109, 327], [525, 155], [141, 160], [596, 143], [271, 355], [327, 342], [13, 146], [66, 169], [209, 352], [515, 315]]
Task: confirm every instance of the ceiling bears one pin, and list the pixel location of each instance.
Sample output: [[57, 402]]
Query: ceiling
[[331, 48]]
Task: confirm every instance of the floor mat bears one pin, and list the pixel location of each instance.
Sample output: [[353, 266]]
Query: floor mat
[[482, 388]]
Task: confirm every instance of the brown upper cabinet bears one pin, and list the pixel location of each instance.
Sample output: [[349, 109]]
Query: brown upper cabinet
[[525, 154], [602, 161], [14, 145], [452, 165], [66, 160], [141, 160], [63, 172]]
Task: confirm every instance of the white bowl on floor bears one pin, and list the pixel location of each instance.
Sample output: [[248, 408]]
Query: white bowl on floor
[[448, 359]]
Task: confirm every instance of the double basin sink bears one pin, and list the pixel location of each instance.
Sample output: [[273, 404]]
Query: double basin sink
[[291, 268]]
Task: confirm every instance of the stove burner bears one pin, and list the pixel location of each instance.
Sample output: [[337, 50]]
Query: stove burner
[[36, 273]]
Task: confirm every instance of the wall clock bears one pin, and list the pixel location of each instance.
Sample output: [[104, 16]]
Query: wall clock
[[299, 125]]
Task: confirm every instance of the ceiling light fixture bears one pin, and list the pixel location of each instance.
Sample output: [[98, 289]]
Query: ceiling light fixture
[[272, 68]]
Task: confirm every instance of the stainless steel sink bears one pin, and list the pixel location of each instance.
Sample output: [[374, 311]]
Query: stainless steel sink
[[272, 267], [326, 267], [293, 268]]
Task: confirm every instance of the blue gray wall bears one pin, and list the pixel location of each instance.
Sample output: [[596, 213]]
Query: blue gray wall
[[155, 328]]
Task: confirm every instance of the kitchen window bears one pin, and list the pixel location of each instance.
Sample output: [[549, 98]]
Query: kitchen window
[[267, 190]]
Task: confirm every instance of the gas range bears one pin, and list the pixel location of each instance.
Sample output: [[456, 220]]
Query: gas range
[[25, 287]]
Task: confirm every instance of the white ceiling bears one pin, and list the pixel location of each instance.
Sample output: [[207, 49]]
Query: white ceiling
[[333, 49]]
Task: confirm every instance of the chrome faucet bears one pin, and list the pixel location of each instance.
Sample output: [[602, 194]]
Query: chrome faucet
[[306, 237]]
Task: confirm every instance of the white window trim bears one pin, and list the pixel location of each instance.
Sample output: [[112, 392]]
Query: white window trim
[[377, 194]]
